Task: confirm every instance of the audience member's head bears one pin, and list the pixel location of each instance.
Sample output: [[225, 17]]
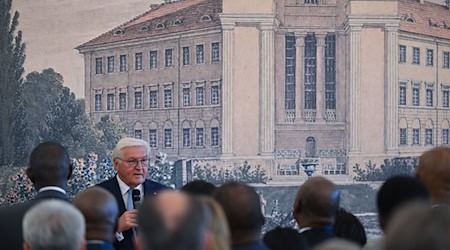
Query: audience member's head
[[242, 208], [49, 165], [284, 239], [418, 227], [55, 225], [218, 230], [338, 244], [199, 187], [347, 226], [172, 220], [395, 192], [434, 172], [316, 203], [100, 211]]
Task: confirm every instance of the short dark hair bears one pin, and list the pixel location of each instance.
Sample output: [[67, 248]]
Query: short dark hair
[[347, 226], [199, 187], [242, 207], [397, 191], [50, 163]]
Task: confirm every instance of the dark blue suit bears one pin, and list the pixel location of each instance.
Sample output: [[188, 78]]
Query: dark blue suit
[[11, 219], [112, 185], [251, 246], [317, 235]]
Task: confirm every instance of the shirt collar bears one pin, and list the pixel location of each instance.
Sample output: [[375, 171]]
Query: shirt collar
[[52, 188], [124, 187]]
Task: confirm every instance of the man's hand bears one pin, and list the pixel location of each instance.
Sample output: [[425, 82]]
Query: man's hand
[[127, 220]]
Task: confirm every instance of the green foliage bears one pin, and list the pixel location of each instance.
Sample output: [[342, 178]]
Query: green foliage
[[244, 173], [390, 167]]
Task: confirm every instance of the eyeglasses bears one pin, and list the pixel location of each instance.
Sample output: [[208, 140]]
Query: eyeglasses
[[133, 162]]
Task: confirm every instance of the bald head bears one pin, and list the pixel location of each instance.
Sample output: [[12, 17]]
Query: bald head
[[100, 211], [434, 172], [49, 165], [316, 203]]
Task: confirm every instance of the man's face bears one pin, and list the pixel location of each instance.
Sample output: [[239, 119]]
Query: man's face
[[132, 175]]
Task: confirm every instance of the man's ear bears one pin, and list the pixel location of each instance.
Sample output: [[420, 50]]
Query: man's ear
[[30, 174], [116, 163], [69, 175]]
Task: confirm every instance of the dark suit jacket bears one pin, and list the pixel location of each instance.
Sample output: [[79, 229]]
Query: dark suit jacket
[[99, 246], [11, 219], [317, 235], [112, 185], [259, 245]]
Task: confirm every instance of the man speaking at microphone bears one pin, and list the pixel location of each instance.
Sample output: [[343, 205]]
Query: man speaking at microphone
[[129, 186]]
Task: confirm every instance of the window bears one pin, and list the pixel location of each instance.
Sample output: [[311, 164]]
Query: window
[[445, 98], [153, 59], [289, 75], [110, 64], [186, 97], [153, 99], [200, 54], [123, 63], [446, 60], [215, 95], [167, 98], [200, 96], [215, 57], [98, 102], [138, 61], [402, 95], [122, 101], [152, 139], [416, 55], [428, 136], [310, 72], [445, 136], [330, 72], [429, 97], [415, 96], [186, 59], [186, 137], [199, 137], [214, 137], [168, 137], [430, 57], [138, 134], [402, 56], [110, 102], [98, 65], [403, 137], [311, 1], [168, 62], [416, 136], [138, 100]]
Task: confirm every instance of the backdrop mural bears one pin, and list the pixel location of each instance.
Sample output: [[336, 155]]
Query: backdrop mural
[[267, 92]]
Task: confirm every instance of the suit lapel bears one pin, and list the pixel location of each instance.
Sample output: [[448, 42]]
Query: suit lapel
[[115, 189]]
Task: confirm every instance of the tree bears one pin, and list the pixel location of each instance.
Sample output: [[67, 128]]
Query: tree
[[12, 57]]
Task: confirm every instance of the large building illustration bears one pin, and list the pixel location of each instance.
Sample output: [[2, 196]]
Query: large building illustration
[[284, 83]]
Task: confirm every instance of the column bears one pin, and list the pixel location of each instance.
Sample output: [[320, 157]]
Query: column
[[355, 90], [320, 77], [300, 57], [227, 86], [391, 86], [267, 86]]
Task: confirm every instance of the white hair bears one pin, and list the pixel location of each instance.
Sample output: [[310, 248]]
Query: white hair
[[53, 225], [129, 142]]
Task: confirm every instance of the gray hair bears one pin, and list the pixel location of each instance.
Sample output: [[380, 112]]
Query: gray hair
[[129, 142], [53, 225]]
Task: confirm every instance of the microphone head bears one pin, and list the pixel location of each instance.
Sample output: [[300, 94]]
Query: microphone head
[[136, 195]]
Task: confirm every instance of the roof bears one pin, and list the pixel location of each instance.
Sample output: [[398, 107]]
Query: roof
[[165, 18], [430, 19]]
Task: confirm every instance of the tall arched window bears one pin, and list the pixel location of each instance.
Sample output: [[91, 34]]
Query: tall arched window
[[168, 134], [199, 133], [403, 132], [186, 131], [138, 130], [153, 135], [310, 147]]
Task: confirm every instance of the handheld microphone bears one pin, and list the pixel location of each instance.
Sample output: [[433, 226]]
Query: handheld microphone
[[136, 194]]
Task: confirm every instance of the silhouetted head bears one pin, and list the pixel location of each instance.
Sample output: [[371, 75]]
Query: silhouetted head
[[284, 239], [199, 187], [397, 191], [434, 172], [316, 203], [242, 208], [348, 226], [100, 211], [49, 165]]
